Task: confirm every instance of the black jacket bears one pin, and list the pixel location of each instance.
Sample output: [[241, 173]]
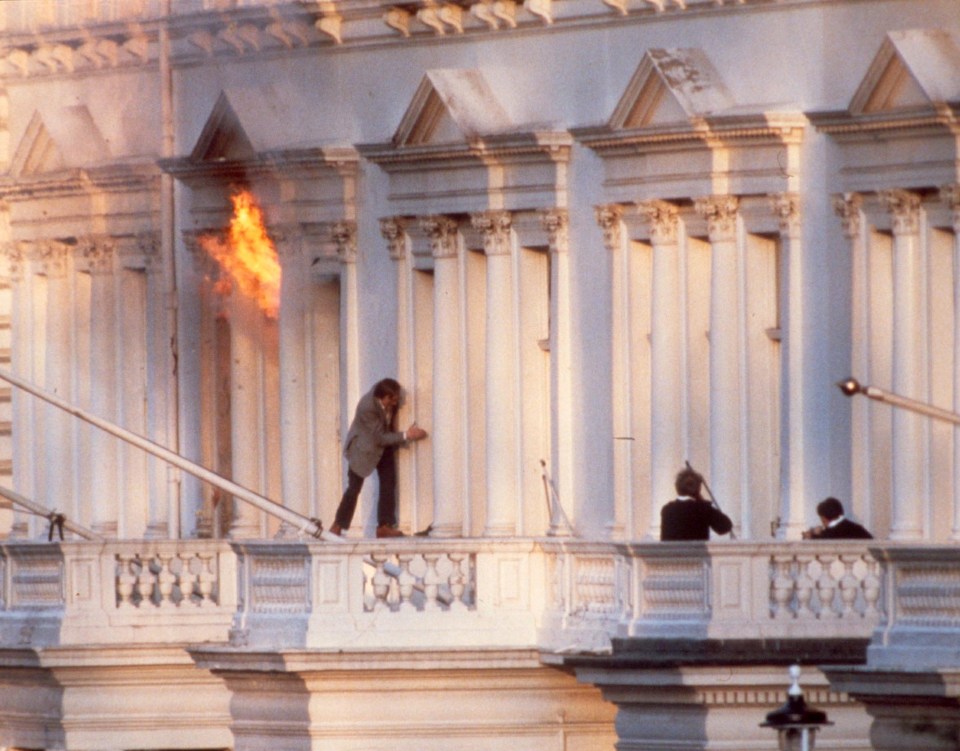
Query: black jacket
[[845, 530], [692, 520]]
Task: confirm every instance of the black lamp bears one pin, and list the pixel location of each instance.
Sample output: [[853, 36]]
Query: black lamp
[[796, 723]]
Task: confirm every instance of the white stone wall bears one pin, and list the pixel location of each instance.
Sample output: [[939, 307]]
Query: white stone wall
[[613, 352]]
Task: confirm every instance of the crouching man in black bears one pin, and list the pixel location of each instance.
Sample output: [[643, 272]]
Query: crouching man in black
[[690, 517]]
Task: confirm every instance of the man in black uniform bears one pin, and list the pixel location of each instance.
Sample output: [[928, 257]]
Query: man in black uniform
[[690, 517], [835, 525]]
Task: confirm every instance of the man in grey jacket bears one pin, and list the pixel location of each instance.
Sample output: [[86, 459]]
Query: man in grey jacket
[[371, 442]]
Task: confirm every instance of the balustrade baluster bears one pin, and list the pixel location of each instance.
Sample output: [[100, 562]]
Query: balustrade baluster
[[405, 582], [827, 588], [187, 579], [125, 580], [431, 582], [206, 577], [145, 582], [805, 586], [457, 582], [381, 582], [165, 580], [850, 585], [783, 586]]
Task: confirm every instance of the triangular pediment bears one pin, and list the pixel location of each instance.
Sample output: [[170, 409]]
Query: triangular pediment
[[223, 137], [914, 69], [670, 86], [65, 139], [451, 106]]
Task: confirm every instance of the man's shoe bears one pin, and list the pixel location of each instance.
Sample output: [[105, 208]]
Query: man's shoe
[[385, 530], [336, 529]]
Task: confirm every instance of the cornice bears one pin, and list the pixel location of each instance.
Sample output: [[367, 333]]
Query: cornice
[[291, 162], [114, 177], [552, 145], [291, 26], [787, 127], [843, 124]]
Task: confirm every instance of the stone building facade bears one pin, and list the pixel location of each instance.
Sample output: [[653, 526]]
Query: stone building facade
[[595, 240]]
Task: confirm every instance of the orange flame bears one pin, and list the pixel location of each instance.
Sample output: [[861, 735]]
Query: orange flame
[[248, 255]]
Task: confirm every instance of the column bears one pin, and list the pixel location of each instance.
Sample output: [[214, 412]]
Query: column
[[726, 426], [246, 418], [56, 481], [163, 512], [667, 342], [951, 196], [450, 499], [793, 495], [909, 500], [394, 231], [296, 460], [848, 208], [23, 336], [350, 335], [501, 376], [610, 220], [99, 257], [563, 428]]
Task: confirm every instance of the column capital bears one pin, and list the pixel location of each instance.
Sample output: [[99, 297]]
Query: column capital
[[96, 254], [847, 206], [442, 231], [203, 264], [786, 207], [904, 208], [663, 218], [950, 194], [51, 258], [14, 261], [495, 226], [344, 234], [394, 231], [721, 215], [610, 219], [556, 223]]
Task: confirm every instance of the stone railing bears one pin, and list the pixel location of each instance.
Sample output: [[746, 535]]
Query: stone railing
[[118, 592], [548, 594]]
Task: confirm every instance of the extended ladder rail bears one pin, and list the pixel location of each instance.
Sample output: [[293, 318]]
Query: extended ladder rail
[[303, 524]]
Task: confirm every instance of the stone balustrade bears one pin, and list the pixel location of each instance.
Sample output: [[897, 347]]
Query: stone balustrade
[[549, 594]]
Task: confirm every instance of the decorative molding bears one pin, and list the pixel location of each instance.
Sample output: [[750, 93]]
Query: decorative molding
[[14, 257], [664, 221], [394, 231], [556, 222], [950, 195], [721, 215], [848, 206], [442, 231], [496, 228], [344, 234], [786, 207], [904, 208], [51, 258], [610, 218], [97, 254]]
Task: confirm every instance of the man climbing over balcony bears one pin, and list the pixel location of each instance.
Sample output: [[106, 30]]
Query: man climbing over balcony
[[836, 526], [371, 444], [689, 516]]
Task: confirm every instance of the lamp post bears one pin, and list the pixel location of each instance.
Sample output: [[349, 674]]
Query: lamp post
[[796, 723]]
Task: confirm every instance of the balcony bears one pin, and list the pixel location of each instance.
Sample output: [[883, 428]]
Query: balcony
[[550, 595]]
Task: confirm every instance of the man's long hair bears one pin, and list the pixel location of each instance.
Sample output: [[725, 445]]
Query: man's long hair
[[386, 386]]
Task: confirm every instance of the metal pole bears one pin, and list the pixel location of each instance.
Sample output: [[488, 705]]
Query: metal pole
[[312, 527], [48, 514], [851, 386]]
